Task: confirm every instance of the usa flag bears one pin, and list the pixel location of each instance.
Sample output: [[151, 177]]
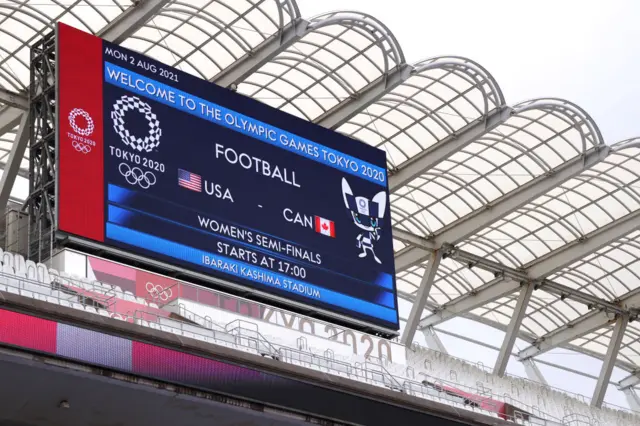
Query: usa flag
[[189, 180]]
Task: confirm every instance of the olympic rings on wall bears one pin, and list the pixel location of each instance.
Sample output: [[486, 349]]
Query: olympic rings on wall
[[158, 292]]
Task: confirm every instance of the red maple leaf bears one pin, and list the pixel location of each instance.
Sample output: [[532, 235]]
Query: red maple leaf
[[324, 226]]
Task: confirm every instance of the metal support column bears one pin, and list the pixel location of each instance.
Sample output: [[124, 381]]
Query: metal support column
[[15, 159], [609, 360], [512, 329], [632, 398], [433, 340], [533, 372], [421, 297], [40, 203]]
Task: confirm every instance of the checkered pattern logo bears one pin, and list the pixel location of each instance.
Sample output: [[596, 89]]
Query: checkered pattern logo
[[82, 131], [132, 103]]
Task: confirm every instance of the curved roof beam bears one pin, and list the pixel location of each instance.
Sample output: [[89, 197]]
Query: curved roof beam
[[336, 57], [128, 22], [205, 38], [385, 85], [629, 143], [475, 221], [239, 71]]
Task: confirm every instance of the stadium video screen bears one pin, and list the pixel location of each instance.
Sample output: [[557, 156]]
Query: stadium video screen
[[160, 164]]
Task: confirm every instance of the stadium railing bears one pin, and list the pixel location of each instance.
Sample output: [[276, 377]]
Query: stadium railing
[[37, 281]]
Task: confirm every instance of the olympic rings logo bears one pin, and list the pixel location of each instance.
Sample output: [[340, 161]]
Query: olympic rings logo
[[83, 131], [158, 292], [81, 147], [135, 176]]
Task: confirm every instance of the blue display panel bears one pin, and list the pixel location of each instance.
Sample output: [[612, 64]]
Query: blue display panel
[[203, 178]]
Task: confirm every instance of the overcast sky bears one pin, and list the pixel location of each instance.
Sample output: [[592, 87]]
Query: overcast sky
[[583, 51]]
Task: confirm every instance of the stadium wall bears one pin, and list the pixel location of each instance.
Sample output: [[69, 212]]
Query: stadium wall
[[61, 332]]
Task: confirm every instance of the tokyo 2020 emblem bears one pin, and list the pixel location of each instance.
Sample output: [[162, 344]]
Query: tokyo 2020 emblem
[[79, 142], [135, 104], [88, 127]]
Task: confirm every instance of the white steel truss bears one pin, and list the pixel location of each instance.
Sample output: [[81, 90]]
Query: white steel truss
[[632, 399], [629, 381], [129, 21], [427, 159], [421, 298], [542, 268], [510, 202], [13, 99], [12, 167], [512, 330], [609, 360], [493, 290]]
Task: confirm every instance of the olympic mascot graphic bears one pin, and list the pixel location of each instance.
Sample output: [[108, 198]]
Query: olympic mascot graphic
[[367, 215]]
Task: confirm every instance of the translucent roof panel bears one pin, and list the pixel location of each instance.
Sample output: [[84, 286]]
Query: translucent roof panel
[[545, 312], [610, 273], [499, 310], [22, 23], [601, 194], [453, 280], [203, 37], [442, 96], [6, 142], [339, 54], [538, 137], [598, 342]]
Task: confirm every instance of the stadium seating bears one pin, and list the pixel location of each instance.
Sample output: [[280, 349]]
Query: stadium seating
[[428, 374]]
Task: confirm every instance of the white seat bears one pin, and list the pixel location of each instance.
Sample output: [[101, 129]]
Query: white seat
[[129, 296], [9, 274], [19, 263], [32, 273], [7, 259], [43, 273]]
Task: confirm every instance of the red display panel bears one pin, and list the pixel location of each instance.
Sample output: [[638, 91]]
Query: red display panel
[[80, 134]]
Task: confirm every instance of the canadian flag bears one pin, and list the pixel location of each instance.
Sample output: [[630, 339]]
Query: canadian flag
[[325, 227]]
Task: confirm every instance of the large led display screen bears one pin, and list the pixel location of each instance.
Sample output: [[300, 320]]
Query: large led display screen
[[157, 163]]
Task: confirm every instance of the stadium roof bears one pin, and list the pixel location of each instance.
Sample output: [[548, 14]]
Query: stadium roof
[[516, 215]]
